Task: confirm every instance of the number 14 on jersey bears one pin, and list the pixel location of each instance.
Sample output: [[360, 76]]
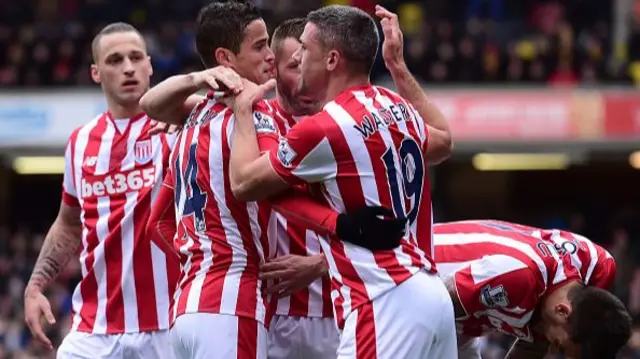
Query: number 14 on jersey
[[196, 199]]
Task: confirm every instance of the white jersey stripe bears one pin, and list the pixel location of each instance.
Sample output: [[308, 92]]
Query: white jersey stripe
[[229, 298], [128, 241], [78, 158], [104, 211], [455, 239], [481, 272], [593, 254]]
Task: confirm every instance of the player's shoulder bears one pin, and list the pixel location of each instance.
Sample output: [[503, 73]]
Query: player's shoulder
[[576, 236], [591, 246], [584, 244], [265, 107], [318, 125], [337, 111], [85, 129], [264, 118], [206, 109], [388, 93], [272, 104], [393, 97], [518, 275]]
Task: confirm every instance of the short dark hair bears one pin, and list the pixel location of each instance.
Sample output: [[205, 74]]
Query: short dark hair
[[112, 28], [599, 322], [349, 30], [291, 28], [221, 24]]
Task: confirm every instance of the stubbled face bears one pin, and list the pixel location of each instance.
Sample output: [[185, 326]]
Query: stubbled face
[[288, 77], [255, 60], [312, 57], [122, 67]]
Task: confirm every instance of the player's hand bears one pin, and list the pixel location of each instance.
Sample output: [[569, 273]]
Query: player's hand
[[162, 127], [218, 78], [393, 44], [36, 306], [292, 273], [374, 228], [252, 93]]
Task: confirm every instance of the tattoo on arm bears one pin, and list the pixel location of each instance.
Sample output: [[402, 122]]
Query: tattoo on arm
[[61, 242], [524, 350]]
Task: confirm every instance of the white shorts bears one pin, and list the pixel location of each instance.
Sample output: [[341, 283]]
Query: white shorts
[[413, 320], [302, 338], [218, 336], [144, 345]]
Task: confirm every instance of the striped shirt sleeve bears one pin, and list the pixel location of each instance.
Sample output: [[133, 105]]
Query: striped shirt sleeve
[[304, 155]]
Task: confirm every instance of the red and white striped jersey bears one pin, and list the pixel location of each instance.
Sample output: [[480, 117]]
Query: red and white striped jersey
[[113, 171], [296, 238], [596, 265], [222, 241], [503, 270], [365, 148]]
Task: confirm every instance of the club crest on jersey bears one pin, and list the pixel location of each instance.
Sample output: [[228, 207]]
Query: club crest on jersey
[[263, 123], [286, 154], [494, 297], [143, 152]]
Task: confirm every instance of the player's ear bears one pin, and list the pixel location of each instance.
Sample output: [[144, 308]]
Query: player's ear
[[562, 311], [95, 74], [332, 60], [224, 57], [150, 65]]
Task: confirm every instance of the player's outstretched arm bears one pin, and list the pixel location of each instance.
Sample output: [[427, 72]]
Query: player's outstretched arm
[[524, 350], [173, 99], [440, 143], [60, 244]]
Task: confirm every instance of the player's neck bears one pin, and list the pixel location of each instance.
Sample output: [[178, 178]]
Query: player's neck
[[338, 84], [121, 112], [559, 295], [563, 291], [284, 105]]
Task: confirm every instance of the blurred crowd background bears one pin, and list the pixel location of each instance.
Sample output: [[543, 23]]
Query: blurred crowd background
[[449, 43], [568, 42]]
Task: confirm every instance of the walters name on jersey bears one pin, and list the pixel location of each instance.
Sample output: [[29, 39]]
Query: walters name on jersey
[[502, 270], [365, 148], [113, 170]]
